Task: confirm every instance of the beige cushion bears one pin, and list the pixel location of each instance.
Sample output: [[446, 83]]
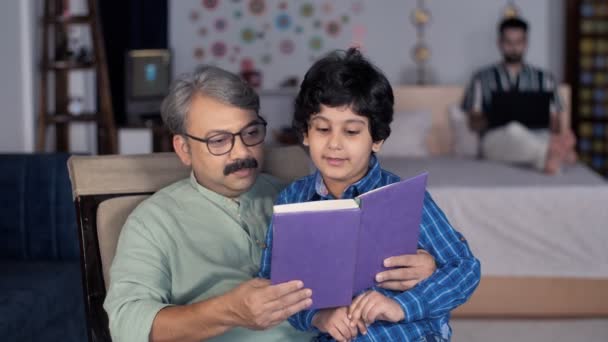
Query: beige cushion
[[121, 174], [111, 216]]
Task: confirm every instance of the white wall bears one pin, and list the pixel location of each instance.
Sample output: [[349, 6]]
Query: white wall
[[16, 80], [462, 36]]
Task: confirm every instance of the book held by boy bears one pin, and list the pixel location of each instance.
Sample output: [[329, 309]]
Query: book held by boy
[[336, 247]]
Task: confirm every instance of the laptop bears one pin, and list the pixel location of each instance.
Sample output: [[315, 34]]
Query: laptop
[[529, 108]]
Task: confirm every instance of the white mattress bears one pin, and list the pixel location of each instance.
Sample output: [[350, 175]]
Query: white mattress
[[525, 231], [524, 223], [562, 330]]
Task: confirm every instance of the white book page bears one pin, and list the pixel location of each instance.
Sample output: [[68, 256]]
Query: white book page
[[316, 206]]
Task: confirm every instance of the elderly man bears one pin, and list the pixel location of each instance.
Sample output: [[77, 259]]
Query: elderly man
[[187, 258]]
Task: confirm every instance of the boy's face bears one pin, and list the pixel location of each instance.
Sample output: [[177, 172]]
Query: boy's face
[[340, 144]]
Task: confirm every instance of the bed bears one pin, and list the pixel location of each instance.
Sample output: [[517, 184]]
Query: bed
[[542, 240]]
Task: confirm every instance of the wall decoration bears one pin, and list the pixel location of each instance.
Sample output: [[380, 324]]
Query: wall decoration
[[421, 53], [286, 46], [316, 43], [257, 7], [511, 10], [248, 35], [199, 53], [307, 10], [220, 24], [332, 28], [282, 22], [194, 15], [269, 30], [218, 49], [210, 4]]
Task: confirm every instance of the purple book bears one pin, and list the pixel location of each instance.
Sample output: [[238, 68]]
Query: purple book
[[337, 247]]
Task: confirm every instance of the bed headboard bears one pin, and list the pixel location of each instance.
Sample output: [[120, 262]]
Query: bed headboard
[[437, 100]]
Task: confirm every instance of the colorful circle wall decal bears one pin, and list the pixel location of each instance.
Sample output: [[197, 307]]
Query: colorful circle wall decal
[[282, 22], [202, 31], [357, 7], [247, 64], [286, 46], [194, 15], [257, 7], [210, 4], [237, 14], [266, 59], [199, 53], [283, 5], [345, 19], [248, 35], [221, 24], [315, 43], [298, 29], [332, 28], [307, 10], [327, 8], [218, 49], [317, 24]]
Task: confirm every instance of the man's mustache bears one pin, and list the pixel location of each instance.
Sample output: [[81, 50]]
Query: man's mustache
[[249, 163]]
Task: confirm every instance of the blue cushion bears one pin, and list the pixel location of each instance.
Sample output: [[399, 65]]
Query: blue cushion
[[41, 301], [37, 214]]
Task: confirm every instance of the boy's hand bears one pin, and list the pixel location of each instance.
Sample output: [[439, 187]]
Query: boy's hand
[[373, 306], [335, 322]]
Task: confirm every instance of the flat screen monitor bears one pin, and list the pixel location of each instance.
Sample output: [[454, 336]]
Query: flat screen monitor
[[148, 78]]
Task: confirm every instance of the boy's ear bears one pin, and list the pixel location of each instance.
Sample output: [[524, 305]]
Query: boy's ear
[[377, 146], [305, 139]]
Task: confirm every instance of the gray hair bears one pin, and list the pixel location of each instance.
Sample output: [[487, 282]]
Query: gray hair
[[211, 81]]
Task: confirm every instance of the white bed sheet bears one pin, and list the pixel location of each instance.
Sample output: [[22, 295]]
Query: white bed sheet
[[520, 222], [553, 330]]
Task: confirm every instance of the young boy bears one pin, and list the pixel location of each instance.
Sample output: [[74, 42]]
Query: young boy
[[343, 113]]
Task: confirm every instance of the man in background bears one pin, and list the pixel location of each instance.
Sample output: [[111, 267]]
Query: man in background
[[544, 148]]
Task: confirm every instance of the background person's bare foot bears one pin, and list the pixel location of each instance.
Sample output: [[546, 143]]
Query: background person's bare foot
[[568, 144], [554, 156]]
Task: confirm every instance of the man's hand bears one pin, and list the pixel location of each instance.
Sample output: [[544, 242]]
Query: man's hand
[[335, 322], [477, 122], [258, 305], [373, 306], [409, 271]]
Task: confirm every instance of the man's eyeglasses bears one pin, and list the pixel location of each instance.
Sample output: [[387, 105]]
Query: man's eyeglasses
[[222, 143]]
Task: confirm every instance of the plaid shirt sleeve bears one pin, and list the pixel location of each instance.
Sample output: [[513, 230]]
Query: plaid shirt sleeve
[[457, 274]]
